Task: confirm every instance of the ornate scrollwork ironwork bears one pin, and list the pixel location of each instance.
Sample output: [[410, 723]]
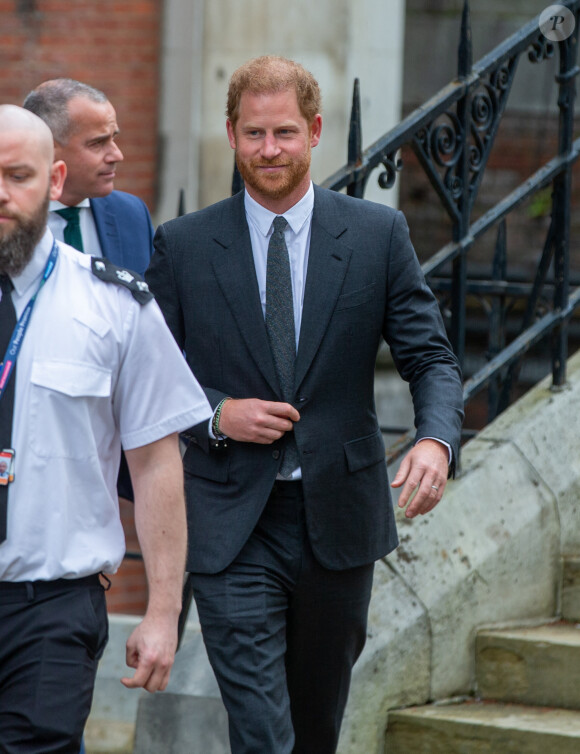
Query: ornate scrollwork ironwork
[[501, 78], [541, 49], [392, 165], [445, 141], [441, 145], [486, 108], [453, 184]]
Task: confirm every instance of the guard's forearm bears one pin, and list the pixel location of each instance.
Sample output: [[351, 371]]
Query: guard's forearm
[[160, 520]]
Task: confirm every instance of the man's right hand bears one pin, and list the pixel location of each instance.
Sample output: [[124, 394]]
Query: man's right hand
[[254, 420]]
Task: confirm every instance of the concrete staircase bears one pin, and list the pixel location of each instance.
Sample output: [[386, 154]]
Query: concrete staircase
[[528, 693]]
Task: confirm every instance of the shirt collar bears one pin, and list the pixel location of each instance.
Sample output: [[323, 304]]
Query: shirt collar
[[296, 216], [35, 267], [54, 204]]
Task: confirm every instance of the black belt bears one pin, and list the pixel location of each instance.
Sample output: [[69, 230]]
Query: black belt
[[28, 589]]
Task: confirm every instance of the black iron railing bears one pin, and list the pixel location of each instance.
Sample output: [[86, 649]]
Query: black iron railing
[[452, 136]]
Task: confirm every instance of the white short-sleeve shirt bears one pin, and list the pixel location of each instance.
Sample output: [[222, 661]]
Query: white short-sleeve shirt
[[96, 370]]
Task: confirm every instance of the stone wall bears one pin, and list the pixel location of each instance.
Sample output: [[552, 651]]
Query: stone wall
[[489, 554]]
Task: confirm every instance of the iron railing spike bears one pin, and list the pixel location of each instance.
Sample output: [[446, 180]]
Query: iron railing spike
[[355, 128], [465, 52]]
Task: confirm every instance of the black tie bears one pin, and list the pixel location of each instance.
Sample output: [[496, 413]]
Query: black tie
[[7, 324], [280, 327], [72, 231]]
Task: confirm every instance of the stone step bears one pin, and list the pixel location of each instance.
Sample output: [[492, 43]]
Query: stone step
[[571, 588], [483, 728], [109, 737], [538, 665]]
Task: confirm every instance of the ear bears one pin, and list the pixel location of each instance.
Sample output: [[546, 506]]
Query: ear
[[315, 130], [57, 179], [231, 133]]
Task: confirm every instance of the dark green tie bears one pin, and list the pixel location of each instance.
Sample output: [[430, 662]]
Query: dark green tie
[[7, 323], [72, 232]]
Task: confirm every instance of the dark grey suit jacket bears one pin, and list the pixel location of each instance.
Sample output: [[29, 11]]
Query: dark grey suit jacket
[[363, 282]]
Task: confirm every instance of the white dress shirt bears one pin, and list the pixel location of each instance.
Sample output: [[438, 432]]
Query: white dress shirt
[[297, 236], [96, 370]]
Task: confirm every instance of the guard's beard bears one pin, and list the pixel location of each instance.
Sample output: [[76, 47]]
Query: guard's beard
[[17, 246]]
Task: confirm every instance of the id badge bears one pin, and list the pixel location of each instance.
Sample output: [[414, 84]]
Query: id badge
[[6, 466]]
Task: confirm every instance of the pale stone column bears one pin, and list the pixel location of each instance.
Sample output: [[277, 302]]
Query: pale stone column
[[376, 58], [180, 116]]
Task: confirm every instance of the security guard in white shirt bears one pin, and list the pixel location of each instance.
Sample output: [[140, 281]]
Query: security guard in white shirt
[[88, 365]]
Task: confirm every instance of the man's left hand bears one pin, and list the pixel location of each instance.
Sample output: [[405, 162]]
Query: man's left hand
[[151, 651], [423, 471]]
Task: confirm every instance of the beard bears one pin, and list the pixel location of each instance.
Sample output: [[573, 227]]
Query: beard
[[17, 245], [274, 186]]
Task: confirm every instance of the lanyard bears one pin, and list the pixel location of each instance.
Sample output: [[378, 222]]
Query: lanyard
[[18, 334]]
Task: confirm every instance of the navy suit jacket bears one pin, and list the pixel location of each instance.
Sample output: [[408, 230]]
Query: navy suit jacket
[[363, 283], [124, 229]]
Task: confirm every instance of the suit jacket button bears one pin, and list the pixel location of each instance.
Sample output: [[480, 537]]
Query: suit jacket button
[[276, 454]]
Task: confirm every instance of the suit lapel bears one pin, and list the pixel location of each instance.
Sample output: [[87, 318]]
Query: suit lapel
[[235, 272], [107, 230], [327, 265]]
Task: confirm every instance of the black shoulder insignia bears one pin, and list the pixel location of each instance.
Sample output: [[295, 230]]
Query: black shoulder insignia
[[110, 273]]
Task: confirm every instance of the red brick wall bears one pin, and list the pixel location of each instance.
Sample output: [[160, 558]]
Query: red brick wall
[[113, 45]]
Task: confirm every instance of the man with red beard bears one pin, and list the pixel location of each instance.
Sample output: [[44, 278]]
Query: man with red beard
[[87, 365], [279, 297]]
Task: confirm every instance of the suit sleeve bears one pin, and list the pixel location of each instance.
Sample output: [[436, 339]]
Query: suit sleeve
[[414, 330], [162, 280], [160, 277], [150, 229]]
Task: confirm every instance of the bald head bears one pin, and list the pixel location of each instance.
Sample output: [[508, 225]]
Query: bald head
[[29, 178], [34, 133]]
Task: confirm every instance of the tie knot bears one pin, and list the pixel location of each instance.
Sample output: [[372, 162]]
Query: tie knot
[[70, 214], [5, 284], [280, 224]]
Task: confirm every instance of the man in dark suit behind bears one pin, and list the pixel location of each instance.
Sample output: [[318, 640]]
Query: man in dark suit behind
[[288, 497], [113, 224]]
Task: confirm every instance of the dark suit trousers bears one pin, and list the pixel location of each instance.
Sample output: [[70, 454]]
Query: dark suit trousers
[[282, 634], [51, 637]]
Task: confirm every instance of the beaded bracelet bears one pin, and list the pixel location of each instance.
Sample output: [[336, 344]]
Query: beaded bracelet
[[215, 424]]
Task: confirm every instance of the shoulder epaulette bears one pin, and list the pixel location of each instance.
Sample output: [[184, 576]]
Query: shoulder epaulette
[[110, 273]]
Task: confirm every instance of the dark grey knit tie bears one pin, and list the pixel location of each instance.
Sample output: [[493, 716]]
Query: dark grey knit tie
[[7, 323], [280, 327]]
